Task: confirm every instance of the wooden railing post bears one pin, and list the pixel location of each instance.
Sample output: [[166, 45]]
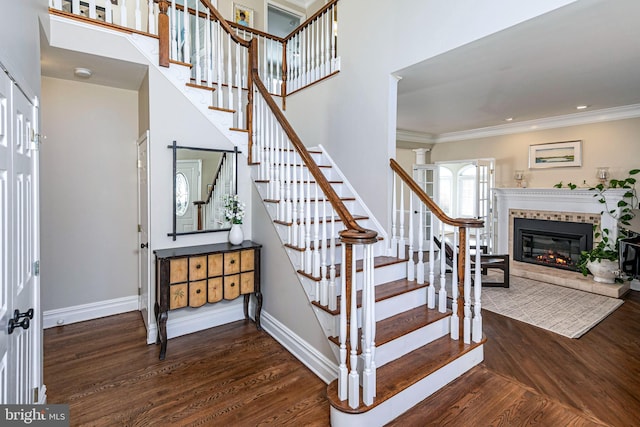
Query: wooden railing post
[[163, 33], [284, 76], [461, 277]]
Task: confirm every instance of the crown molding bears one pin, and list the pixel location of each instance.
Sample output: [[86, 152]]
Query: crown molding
[[583, 118], [412, 136]]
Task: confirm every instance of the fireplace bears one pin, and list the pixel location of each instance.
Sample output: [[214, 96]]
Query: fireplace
[[554, 244]]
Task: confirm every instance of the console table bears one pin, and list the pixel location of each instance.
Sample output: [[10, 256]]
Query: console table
[[197, 275]]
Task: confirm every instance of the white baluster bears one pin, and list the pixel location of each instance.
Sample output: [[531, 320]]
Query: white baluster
[[343, 374], [75, 7], [186, 39], [294, 201], [420, 264], [332, 267], [368, 303], [467, 290], [334, 35], [301, 216], [92, 9], [442, 293], [411, 266], [288, 217], [431, 290], [308, 255], [57, 4], [394, 214], [316, 234], [138, 16], [123, 13], [239, 69], [455, 319], [108, 12], [198, 74], [152, 19], [208, 49], [324, 284], [174, 32], [354, 380], [283, 185], [477, 290], [229, 74], [402, 244], [220, 65]]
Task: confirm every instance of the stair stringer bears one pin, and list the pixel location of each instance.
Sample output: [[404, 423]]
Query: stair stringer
[[179, 76]]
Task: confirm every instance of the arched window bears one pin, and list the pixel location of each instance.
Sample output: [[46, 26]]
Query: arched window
[[467, 191], [182, 194]]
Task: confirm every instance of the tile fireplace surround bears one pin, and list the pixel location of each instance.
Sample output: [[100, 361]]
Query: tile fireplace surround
[[555, 204]]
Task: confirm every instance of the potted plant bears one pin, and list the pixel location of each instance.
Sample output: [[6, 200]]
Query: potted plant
[[602, 259]]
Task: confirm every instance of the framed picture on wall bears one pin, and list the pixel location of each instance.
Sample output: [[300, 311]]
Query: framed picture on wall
[[555, 155], [242, 15]]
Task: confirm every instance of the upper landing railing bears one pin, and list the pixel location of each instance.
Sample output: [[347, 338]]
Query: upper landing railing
[[287, 64]]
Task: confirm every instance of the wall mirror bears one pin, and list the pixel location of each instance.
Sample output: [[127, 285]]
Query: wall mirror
[[201, 179]]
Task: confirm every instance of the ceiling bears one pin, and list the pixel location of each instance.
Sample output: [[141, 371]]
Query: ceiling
[[586, 53]]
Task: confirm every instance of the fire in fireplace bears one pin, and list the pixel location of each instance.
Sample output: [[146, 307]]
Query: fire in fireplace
[[551, 243]]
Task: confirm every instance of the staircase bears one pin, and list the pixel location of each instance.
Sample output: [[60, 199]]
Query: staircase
[[380, 297]]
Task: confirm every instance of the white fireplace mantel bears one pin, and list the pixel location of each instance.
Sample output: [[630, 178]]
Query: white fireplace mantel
[[554, 200]]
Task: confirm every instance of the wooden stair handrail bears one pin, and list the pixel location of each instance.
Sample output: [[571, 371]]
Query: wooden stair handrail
[[433, 207], [354, 233]]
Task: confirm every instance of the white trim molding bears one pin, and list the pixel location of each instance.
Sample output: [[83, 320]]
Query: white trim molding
[[325, 369], [584, 118], [80, 313]]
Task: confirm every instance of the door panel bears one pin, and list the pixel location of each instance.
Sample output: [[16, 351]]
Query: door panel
[[144, 256], [426, 176], [20, 350]]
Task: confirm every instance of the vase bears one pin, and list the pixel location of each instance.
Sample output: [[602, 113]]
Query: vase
[[236, 236], [604, 270]]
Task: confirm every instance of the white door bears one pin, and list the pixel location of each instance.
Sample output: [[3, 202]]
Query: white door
[[188, 185], [484, 206], [20, 331], [426, 176], [144, 256]]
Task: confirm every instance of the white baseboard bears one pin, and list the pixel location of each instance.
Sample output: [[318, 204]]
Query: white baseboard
[[95, 310], [324, 368]]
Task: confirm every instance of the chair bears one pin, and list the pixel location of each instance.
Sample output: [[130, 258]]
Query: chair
[[487, 262]]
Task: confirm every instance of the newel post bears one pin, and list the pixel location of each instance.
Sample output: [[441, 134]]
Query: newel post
[[163, 33], [462, 248]]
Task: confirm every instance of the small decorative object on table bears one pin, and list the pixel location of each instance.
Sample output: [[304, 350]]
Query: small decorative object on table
[[234, 213], [518, 176]]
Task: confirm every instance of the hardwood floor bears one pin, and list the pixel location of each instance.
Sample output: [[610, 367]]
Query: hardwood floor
[[234, 375]]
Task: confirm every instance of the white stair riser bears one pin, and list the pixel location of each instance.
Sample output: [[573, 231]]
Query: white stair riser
[[384, 274], [409, 342], [340, 189], [272, 208], [405, 400]]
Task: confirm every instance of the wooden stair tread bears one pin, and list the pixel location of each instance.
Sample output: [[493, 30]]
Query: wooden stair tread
[[402, 324], [383, 292], [379, 261], [344, 199], [239, 130], [197, 86], [328, 219], [266, 181], [409, 369], [226, 110]]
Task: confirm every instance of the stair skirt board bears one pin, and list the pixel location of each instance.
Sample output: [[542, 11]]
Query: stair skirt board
[[325, 368], [83, 312], [400, 403]]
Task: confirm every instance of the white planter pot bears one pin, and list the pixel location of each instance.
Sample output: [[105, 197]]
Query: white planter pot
[[604, 270], [236, 236]]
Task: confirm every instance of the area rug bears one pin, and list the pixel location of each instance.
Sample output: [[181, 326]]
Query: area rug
[[565, 311]]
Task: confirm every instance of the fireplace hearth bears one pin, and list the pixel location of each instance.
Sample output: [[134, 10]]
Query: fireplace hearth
[[555, 244]]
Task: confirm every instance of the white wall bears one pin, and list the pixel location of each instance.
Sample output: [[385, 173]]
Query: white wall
[[614, 144], [20, 23], [353, 114], [88, 193]]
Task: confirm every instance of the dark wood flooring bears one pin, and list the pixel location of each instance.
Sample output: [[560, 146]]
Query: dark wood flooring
[[233, 375]]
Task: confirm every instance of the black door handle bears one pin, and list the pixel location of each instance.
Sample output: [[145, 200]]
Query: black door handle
[[15, 322], [144, 245]]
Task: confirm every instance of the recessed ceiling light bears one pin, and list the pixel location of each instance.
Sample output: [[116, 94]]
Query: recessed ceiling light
[[582, 107], [83, 73], [508, 119]]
